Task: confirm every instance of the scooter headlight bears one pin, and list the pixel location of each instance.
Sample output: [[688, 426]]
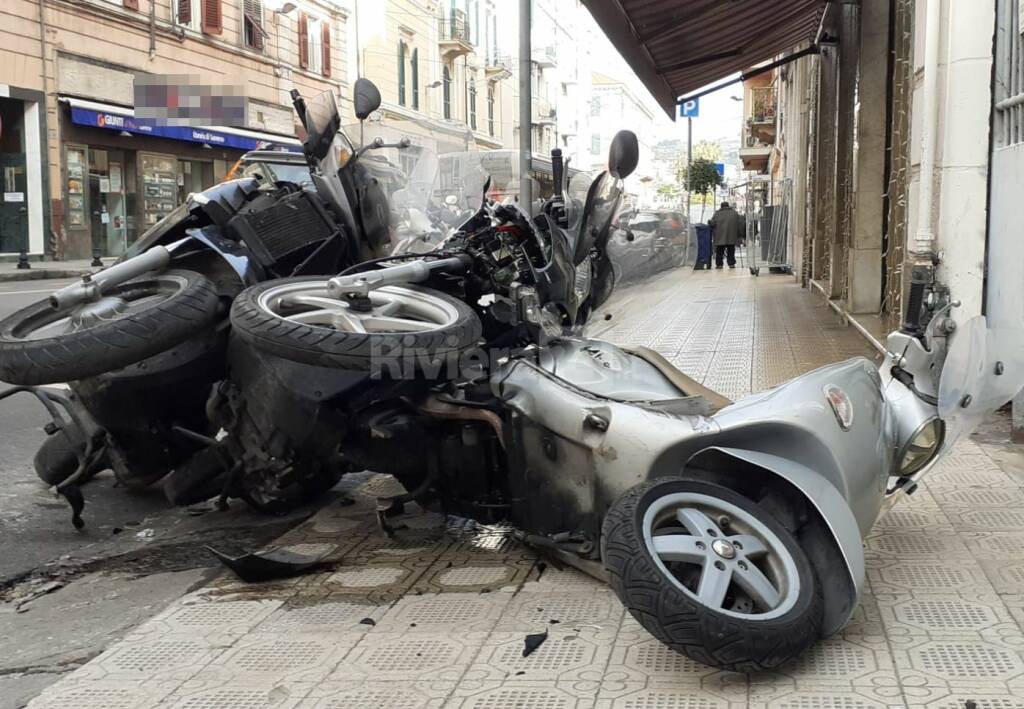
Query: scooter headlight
[[921, 447]]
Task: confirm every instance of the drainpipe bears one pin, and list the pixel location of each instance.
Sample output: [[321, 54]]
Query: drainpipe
[[924, 239]]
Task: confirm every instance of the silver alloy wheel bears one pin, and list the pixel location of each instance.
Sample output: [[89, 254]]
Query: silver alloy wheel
[[393, 309], [745, 566]]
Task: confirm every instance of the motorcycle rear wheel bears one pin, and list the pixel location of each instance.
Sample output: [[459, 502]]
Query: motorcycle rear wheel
[[132, 321], [294, 318], [711, 574]]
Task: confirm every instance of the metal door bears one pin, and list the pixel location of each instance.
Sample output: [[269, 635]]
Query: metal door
[[1004, 302]]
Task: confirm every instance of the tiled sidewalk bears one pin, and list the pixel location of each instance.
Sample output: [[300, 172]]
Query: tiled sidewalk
[[437, 618]]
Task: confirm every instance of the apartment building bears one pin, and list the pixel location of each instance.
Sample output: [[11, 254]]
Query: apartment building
[[443, 69], [82, 175]]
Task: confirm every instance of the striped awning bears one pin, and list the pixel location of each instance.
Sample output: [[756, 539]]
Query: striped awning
[[678, 46]]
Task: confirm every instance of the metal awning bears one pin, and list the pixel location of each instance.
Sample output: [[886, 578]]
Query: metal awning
[[678, 46]]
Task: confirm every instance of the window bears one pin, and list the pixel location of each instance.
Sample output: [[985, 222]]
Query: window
[[253, 32], [595, 144], [447, 81], [314, 44], [490, 108], [315, 28], [472, 105], [401, 73], [416, 79], [595, 106], [185, 15]]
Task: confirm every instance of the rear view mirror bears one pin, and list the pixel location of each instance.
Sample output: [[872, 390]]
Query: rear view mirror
[[366, 98], [623, 155]]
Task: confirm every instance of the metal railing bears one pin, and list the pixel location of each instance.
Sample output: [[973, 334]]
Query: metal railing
[[762, 104], [454, 28]]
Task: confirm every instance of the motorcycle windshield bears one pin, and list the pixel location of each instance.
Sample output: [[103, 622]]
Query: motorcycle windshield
[[984, 369], [397, 184]]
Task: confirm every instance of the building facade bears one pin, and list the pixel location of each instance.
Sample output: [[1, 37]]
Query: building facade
[[443, 69], [84, 176]]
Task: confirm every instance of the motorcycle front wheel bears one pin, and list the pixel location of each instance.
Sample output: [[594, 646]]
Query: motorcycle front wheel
[[711, 574], [399, 327], [40, 344]]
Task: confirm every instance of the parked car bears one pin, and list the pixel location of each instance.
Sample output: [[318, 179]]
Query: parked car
[[648, 241], [273, 166]]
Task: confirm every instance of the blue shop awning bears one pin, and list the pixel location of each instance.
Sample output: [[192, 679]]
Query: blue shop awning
[[119, 118]]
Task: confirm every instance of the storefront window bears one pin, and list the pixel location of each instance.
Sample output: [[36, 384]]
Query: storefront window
[[159, 186], [193, 176], [74, 213]]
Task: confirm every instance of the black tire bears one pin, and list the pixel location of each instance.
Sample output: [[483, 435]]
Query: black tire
[[57, 458], [677, 618], [326, 347], [191, 306]]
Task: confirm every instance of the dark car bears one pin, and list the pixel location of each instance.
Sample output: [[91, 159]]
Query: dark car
[[647, 241]]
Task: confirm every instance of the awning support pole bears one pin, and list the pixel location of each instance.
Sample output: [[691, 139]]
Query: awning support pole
[[813, 49]]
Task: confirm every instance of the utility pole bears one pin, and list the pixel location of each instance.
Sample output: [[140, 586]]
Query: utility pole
[[525, 105]]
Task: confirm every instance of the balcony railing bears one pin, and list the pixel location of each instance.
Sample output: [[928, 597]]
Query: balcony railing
[[762, 104], [455, 28], [498, 63]]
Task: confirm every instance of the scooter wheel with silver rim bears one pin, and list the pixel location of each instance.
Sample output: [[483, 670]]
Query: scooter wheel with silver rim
[[711, 574], [393, 328]]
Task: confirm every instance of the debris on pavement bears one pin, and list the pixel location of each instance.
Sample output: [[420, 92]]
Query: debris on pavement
[[532, 642], [269, 565]]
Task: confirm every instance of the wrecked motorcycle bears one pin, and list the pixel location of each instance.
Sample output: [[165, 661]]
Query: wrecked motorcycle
[[141, 342]]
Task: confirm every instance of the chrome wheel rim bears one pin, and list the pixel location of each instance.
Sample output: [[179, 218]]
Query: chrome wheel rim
[[721, 556], [392, 309]]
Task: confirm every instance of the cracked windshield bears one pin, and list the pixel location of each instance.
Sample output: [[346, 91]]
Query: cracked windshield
[[494, 354]]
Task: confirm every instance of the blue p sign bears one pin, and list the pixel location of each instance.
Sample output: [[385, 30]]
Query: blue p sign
[[689, 109]]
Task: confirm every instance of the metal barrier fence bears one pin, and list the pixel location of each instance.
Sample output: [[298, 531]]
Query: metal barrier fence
[[766, 206]]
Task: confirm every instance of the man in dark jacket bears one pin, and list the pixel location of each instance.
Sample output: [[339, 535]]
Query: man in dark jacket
[[729, 228]]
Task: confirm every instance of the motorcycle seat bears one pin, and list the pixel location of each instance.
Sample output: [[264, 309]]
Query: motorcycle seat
[[687, 385]]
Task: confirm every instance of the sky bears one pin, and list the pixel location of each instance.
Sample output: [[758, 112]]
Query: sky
[[720, 116]]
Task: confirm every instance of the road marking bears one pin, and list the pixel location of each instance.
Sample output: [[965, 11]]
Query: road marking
[[26, 292]]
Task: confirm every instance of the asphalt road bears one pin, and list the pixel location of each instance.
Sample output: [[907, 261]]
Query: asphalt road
[[35, 526]]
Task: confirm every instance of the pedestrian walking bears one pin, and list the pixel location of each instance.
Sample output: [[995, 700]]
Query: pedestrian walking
[[729, 229]]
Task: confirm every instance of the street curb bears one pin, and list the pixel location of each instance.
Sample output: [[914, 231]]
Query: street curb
[[34, 274]]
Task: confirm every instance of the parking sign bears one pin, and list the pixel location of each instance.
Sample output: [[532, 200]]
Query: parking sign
[[690, 109]]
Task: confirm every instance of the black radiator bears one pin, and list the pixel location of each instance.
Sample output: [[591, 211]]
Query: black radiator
[[280, 229]]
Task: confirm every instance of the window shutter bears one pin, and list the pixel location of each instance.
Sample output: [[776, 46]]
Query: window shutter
[[401, 73], [184, 12], [212, 19], [130, 4], [416, 78], [326, 64], [303, 41], [253, 11]]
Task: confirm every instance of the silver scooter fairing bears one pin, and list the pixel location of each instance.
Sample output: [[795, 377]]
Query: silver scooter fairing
[[595, 420]]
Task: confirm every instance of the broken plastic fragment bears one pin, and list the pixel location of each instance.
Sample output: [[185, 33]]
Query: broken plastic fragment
[[269, 565], [533, 642]]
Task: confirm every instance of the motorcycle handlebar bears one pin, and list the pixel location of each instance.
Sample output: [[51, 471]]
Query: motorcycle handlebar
[[915, 301]]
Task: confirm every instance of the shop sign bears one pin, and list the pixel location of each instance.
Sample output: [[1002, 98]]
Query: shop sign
[[119, 122]]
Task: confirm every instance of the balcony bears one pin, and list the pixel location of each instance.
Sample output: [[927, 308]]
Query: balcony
[[543, 112], [544, 57], [498, 65], [761, 119], [754, 153], [453, 35]]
